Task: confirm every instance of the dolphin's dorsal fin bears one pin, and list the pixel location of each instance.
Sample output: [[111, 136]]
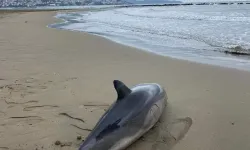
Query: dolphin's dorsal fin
[[121, 89]]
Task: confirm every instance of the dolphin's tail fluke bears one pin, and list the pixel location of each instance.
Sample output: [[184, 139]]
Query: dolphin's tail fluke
[[121, 89]]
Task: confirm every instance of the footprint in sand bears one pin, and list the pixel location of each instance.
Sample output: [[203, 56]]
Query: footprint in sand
[[25, 86], [16, 91], [15, 94], [32, 83]]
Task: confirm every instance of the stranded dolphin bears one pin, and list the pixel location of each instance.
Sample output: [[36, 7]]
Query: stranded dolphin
[[135, 111]]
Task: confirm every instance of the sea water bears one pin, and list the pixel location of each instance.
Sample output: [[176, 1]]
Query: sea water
[[200, 33]]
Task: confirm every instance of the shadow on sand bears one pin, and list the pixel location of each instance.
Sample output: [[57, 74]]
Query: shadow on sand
[[167, 132]]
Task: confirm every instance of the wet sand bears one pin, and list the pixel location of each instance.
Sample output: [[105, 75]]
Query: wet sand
[[55, 84]]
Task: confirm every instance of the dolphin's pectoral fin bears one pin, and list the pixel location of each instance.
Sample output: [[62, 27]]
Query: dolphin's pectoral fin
[[121, 89], [109, 129]]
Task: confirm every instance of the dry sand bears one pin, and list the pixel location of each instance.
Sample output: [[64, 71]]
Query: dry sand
[[55, 83]]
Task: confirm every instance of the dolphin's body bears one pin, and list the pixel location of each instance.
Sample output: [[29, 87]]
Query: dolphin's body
[[135, 111]]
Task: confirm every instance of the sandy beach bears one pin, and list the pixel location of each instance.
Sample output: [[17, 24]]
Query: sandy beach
[[55, 84]]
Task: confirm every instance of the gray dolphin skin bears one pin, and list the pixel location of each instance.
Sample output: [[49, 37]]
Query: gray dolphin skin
[[135, 111]]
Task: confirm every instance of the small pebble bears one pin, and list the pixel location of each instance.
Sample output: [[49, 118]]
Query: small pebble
[[57, 143], [79, 137]]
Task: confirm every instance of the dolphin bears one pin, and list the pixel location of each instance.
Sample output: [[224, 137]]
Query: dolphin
[[134, 112]]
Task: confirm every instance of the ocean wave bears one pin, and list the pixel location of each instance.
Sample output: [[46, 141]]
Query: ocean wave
[[176, 15], [216, 33], [184, 13]]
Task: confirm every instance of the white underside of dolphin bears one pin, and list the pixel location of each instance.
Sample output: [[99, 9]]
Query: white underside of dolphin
[[135, 112]]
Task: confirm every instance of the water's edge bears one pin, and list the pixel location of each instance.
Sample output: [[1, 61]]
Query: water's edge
[[140, 47]]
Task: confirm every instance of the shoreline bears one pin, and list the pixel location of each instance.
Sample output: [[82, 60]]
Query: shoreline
[[159, 55], [49, 71], [215, 56], [155, 54]]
